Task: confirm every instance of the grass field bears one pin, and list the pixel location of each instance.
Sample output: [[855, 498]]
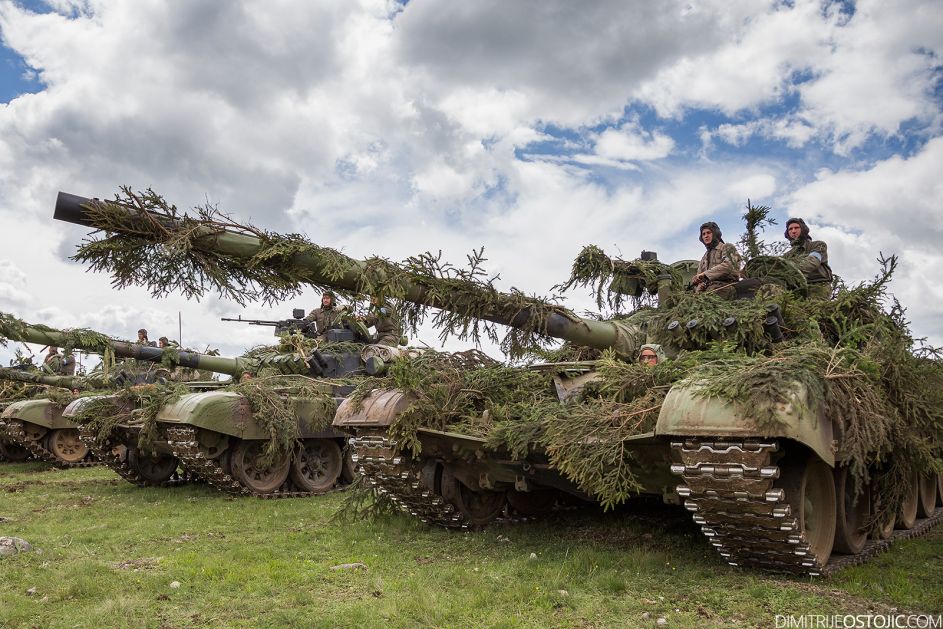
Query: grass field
[[107, 554]]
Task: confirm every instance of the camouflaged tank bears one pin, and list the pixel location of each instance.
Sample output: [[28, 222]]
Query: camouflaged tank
[[11, 451], [212, 433], [37, 427], [773, 495]]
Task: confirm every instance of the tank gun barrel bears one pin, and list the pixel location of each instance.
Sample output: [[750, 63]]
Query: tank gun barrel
[[66, 382], [16, 330], [329, 268]]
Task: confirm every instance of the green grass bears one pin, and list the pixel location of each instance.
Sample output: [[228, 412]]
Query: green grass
[[107, 552]]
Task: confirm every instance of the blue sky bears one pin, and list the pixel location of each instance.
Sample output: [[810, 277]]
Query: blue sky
[[531, 130]]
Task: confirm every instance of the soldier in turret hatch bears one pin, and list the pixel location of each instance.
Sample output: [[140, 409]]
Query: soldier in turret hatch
[[389, 330], [142, 339], [651, 354], [811, 256], [328, 315], [719, 268]]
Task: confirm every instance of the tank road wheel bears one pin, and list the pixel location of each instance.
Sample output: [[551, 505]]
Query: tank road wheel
[[249, 468], [534, 502], [907, 515], [854, 512], [926, 505], [480, 508], [154, 469], [34, 432], [810, 490], [13, 452], [316, 465], [65, 444]]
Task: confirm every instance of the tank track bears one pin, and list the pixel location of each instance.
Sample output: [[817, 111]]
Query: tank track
[[185, 446], [729, 489], [14, 430], [394, 476], [105, 453]]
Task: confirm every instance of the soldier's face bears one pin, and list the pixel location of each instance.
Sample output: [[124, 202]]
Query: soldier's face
[[326, 301], [648, 358], [794, 230], [707, 236]]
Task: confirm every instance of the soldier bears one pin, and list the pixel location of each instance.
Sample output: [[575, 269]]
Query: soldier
[[650, 355], [719, 268], [52, 363], [327, 316], [163, 343], [389, 330], [810, 256], [67, 368], [142, 339]]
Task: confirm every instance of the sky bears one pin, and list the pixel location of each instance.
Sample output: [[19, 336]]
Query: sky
[[530, 128]]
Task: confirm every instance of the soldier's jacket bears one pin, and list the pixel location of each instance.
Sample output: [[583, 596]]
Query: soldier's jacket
[[67, 367], [52, 364], [325, 318], [811, 256], [720, 264], [386, 323]]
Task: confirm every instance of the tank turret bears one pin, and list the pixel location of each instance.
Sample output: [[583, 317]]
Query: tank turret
[[782, 448]]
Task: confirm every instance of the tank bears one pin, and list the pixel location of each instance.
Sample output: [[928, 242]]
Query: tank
[[211, 430], [37, 426], [11, 391], [782, 466]]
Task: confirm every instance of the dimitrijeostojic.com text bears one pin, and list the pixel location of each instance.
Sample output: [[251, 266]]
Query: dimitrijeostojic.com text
[[859, 621]]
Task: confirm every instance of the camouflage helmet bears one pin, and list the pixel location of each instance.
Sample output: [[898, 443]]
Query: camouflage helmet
[[805, 228], [715, 229]]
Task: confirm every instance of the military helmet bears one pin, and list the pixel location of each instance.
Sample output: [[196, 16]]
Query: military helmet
[[711, 225], [805, 228]]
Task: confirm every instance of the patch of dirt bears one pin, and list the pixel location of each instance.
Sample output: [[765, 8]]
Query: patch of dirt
[[136, 565]]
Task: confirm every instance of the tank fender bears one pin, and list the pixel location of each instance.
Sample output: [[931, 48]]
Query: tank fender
[[41, 412], [684, 414], [378, 409]]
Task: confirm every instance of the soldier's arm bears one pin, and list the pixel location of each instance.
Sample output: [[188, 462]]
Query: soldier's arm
[[816, 257]]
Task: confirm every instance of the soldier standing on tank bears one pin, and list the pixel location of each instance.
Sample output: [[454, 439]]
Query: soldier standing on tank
[[52, 363], [389, 330], [327, 316], [67, 367], [810, 256], [719, 268]]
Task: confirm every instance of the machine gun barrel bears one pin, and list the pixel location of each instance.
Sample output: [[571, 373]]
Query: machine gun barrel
[[251, 321], [344, 273]]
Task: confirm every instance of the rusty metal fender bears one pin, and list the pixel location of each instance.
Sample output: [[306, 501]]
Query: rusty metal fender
[[377, 410], [683, 414]]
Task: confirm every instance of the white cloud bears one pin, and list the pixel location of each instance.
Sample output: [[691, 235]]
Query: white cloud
[[630, 143], [383, 129]]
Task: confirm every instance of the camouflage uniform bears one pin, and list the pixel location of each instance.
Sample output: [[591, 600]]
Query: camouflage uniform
[[387, 324], [325, 318], [720, 264], [52, 363], [67, 367], [811, 257]]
